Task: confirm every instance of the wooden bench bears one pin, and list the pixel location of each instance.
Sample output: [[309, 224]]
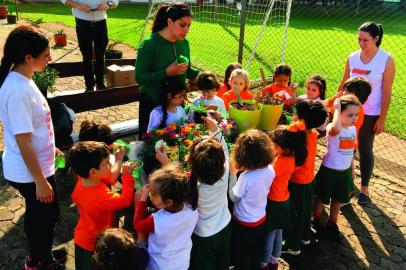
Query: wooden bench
[[81, 101]]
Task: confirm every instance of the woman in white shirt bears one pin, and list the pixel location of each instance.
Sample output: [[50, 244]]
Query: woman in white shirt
[[378, 68], [29, 154]]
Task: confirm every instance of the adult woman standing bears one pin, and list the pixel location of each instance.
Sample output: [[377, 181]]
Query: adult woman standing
[[28, 158], [378, 68], [158, 57]]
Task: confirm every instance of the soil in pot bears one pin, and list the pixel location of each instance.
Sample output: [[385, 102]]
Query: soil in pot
[[197, 117], [244, 106]]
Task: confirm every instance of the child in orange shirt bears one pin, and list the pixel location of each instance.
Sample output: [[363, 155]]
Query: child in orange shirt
[[96, 202], [313, 113], [240, 83], [282, 87], [226, 86], [290, 145]]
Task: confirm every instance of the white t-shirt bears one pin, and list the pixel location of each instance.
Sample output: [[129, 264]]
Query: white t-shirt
[[373, 73], [170, 245], [213, 204], [252, 188], [23, 109], [216, 101], [155, 118], [340, 148]]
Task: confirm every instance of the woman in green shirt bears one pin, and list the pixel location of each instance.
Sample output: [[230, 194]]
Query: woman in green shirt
[[163, 54]]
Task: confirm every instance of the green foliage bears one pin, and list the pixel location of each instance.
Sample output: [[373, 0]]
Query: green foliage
[[36, 22], [46, 79], [60, 32]]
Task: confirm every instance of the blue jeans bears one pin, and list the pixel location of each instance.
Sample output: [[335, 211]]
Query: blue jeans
[[273, 245]]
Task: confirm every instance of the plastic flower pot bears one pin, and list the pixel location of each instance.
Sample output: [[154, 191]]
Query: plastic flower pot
[[137, 173], [60, 40], [198, 117], [270, 115], [3, 12], [245, 119]]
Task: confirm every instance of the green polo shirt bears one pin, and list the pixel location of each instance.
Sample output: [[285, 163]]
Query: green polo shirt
[[154, 55]]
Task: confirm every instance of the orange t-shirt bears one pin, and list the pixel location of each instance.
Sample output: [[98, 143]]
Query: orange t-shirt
[[230, 96], [96, 205], [283, 166], [222, 90], [272, 89], [305, 174]]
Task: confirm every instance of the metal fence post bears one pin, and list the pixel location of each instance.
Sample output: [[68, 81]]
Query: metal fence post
[[242, 30]]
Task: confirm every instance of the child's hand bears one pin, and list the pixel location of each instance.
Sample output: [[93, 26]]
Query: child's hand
[[162, 156], [59, 152], [294, 86], [137, 197], [128, 167], [145, 193], [119, 154], [339, 94], [211, 124], [337, 105], [175, 69]]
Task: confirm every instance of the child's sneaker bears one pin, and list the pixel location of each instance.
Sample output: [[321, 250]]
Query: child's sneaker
[[60, 255], [317, 227], [306, 242], [363, 199], [31, 265], [273, 266], [292, 252], [333, 232]]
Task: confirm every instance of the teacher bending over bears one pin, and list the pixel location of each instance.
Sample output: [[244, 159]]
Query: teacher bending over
[[378, 68], [160, 56]]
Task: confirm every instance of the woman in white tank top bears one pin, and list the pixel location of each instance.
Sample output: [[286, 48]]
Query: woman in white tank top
[[378, 68]]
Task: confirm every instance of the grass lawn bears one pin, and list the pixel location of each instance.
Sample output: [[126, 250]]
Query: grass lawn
[[318, 42]]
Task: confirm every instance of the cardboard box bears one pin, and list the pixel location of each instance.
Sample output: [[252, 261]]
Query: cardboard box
[[120, 75]]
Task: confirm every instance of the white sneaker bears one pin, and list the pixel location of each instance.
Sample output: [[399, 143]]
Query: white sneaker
[[292, 252], [306, 242]]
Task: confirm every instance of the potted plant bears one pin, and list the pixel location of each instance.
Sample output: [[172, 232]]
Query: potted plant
[[60, 38], [36, 22], [245, 113], [112, 53], [271, 111], [11, 18], [199, 110], [3, 11], [45, 80]]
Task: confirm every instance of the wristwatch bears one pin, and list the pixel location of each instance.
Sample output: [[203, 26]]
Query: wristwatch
[[109, 3]]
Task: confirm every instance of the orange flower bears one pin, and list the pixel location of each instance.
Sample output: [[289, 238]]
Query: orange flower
[[161, 132], [196, 132]]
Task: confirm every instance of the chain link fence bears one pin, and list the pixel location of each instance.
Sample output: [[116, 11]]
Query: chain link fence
[[314, 37]]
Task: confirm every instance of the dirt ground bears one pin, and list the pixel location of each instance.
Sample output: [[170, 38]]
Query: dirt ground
[[374, 235]]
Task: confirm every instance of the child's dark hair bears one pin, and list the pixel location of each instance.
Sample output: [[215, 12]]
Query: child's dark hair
[[22, 41], [359, 87], [230, 69], [172, 87], [84, 156], [115, 250], [207, 80], [173, 11], [348, 100], [374, 29], [252, 150], [320, 81], [282, 69], [92, 131], [206, 160], [292, 143], [312, 112], [172, 183]]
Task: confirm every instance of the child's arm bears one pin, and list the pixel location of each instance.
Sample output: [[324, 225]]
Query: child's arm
[[115, 201], [233, 189], [142, 224], [155, 119], [115, 170], [336, 124]]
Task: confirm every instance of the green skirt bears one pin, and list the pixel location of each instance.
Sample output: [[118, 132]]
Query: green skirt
[[280, 215]]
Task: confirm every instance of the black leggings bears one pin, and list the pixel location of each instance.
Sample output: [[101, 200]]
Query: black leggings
[[365, 148], [145, 107], [39, 220]]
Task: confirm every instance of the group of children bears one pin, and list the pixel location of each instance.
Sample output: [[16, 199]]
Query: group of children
[[227, 208]]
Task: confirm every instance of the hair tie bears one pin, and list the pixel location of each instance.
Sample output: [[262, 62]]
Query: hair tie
[[297, 126]]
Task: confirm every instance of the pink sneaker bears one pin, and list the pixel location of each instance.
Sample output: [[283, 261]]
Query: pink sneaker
[[273, 266], [30, 265]]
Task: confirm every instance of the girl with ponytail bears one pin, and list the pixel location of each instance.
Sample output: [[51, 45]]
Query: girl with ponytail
[[162, 55], [29, 155], [169, 229], [378, 68]]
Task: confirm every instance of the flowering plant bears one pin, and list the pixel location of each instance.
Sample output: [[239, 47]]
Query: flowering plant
[[229, 129]]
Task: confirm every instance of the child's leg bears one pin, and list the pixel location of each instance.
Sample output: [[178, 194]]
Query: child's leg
[[83, 259], [277, 245], [334, 211], [269, 246], [317, 209]]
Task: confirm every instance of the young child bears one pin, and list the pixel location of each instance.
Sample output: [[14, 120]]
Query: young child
[[170, 229], [209, 165], [361, 88], [282, 86], [208, 83], [301, 182], [170, 110], [226, 86], [240, 84], [316, 87], [95, 201], [334, 179], [290, 146], [92, 131], [116, 250], [252, 154]]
